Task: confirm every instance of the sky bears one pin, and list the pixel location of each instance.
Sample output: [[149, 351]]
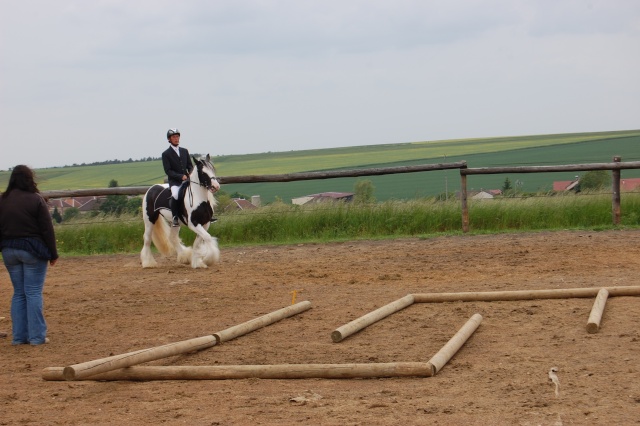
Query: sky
[[87, 81]]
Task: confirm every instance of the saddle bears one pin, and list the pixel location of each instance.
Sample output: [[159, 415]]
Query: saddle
[[163, 200]]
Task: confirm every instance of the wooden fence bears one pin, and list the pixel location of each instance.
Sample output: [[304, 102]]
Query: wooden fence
[[614, 166]]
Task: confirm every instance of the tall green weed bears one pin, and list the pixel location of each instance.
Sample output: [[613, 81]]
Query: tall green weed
[[281, 223]]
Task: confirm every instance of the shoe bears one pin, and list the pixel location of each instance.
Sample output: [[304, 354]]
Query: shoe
[[175, 222], [46, 340]]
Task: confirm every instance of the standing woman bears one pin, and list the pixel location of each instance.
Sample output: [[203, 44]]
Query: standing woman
[[28, 245]]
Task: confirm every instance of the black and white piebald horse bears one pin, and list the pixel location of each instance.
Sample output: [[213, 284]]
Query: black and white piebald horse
[[197, 203]]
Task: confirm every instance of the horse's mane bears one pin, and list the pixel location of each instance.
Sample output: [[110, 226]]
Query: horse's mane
[[208, 163]]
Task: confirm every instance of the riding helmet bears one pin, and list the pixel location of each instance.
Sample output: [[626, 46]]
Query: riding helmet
[[171, 132]]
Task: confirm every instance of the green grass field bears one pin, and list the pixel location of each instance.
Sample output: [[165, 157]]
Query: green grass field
[[487, 152]]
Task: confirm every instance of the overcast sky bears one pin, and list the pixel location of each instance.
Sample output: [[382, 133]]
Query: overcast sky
[[84, 81]]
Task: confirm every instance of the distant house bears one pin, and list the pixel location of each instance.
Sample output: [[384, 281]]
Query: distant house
[[630, 184], [84, 204], [483, 194], [323, 197], [301, 200], [566, 185], [239, 204], [57, 203]]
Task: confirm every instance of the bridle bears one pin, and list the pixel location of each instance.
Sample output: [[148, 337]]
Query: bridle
[[206, 181]]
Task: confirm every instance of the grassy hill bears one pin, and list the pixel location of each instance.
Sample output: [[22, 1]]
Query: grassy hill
[[487, 152]]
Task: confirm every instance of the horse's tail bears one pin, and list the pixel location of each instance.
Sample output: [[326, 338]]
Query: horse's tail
[[160, 237]]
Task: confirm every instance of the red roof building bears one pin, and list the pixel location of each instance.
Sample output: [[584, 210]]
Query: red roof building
[[84, 204], [240, 204], [565, 185], [630, 184]]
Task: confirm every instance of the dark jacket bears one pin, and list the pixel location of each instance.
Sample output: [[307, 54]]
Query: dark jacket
[[25, 215], [175, 167]]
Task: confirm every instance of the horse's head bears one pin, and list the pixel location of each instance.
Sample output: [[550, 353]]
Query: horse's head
[[206, 174]]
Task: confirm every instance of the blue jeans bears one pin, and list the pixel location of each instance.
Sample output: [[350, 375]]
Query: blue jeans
[[27, 274]]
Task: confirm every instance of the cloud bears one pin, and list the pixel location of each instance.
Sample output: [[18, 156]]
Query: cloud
[[89, 81]]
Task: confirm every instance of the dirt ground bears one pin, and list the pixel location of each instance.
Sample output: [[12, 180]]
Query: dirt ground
[[107, 305]]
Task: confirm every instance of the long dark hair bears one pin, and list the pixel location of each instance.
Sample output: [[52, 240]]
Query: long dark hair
[[22, 177]]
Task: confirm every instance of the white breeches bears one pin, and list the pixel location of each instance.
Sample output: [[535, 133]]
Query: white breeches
[[174, 192]]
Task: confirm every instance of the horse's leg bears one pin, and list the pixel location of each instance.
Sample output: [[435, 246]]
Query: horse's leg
[[183, 252], [205, 247], [146, 257], [196, 255], [199, 214], [212, 254]]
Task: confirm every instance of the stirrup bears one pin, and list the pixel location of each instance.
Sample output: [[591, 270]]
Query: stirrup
[[175, 223]]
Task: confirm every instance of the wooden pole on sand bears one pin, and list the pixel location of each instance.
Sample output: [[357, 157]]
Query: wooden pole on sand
[[593, 324], [89, 368], [454, 344], [282, 371], [493, 296], [102, 365], [358, 324], [254, 324]]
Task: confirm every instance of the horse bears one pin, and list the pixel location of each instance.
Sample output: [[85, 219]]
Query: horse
[[197, 203]]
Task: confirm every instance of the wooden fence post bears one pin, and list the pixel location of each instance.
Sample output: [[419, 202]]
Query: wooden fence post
[[615, 173], [463, 200]]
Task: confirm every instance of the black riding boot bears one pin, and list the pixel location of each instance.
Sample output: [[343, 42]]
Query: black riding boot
[[175, 211]]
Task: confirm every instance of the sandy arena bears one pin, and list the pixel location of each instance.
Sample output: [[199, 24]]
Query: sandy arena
[[107, 305]]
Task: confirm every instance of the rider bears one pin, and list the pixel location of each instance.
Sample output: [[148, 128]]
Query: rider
[[177, 165]]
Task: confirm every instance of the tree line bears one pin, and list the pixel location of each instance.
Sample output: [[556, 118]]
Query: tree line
[[107, 162]]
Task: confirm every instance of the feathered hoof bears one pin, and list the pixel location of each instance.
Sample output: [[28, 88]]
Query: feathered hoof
[[148, 261], [198, 263], [205, 253], [185, 256], [212, 256]]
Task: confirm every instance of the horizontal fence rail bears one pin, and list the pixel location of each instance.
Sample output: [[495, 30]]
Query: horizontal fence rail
[[614, 166], [120, 190], [342, 173], [290, 177], [545, 169]]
